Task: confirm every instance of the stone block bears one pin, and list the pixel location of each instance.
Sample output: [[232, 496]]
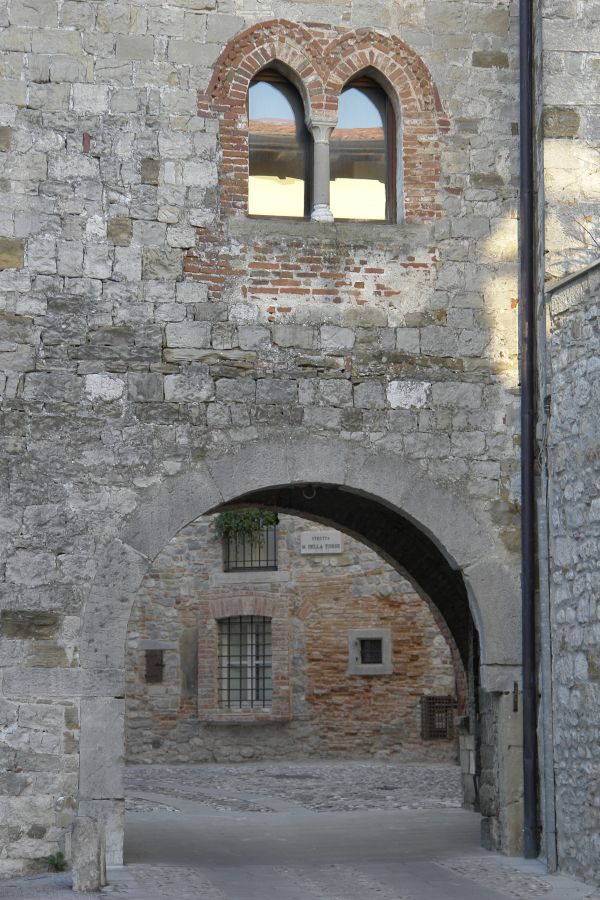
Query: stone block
[[304, 337], [90, 98], [101, 775], [53, 387], [29, 624], [236, 390], [192, 53], [35, 14], [195, 292], [369, 395], [119, 230], [56, 42], [253, 337], [70, 258], [336, 340], [5, 137], [150, 170], [181, 236], [335, 392], [221, 28], [12, 253], [408, 394], [135, 46], [188, 334], [490, 59], [97, 262], [199, 5], [158, 263], [144, 387], [560, 122], [44, 654], [194, 386], [276, 390], [102, 386]]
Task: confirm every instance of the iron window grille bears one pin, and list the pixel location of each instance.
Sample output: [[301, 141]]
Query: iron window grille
[[371, 651], [246, 552], [245, 662], [155, 666], [437, 718]]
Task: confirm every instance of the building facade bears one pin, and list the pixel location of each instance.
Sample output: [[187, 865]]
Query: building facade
[[318, 697], [166, 353]]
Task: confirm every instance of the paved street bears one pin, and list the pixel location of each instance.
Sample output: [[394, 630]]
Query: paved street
[[306, 831]]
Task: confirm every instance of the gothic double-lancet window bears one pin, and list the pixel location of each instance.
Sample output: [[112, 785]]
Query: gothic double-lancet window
[[245, 670], [346, 172]]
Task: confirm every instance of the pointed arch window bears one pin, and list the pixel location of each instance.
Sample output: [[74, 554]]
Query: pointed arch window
[[279, 149], [363, 154]]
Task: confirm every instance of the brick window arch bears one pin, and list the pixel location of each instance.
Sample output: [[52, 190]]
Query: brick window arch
[[322, 60]]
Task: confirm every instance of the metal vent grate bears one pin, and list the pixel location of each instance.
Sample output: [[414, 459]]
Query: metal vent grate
[[437, 718]]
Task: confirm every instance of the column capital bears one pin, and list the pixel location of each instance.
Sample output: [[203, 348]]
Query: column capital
[[320, 129]]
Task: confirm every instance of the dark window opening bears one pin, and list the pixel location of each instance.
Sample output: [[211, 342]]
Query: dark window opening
[[371, 651], [154, 666], [246, 552], [279, 147], [245, 657], [363, 154], [437, 718]]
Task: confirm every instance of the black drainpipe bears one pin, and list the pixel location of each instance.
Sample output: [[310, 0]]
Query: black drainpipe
[[527, 373]]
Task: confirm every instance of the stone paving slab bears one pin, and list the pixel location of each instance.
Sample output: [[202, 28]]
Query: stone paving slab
[[306, 831], [497, 879]]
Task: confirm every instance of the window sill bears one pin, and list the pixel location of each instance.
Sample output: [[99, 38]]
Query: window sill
[[252, 576], [401, 234], [242, 717]]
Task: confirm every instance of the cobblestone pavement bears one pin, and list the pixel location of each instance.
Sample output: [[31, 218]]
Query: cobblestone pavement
[[306, 831], [316, 786]]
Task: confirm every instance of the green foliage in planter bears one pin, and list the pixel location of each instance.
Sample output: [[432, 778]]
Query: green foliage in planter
[[239, 523], [56, 862]]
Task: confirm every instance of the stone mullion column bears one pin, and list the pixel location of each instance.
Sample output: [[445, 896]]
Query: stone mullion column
[[321, 132]]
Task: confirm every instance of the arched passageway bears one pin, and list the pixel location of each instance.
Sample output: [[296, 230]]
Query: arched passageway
[[449, 554]]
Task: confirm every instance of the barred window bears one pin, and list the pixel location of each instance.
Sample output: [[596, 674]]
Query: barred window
[[259, 551], [245, 654]]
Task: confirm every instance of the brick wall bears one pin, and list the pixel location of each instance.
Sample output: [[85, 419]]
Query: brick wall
[[318, 709]]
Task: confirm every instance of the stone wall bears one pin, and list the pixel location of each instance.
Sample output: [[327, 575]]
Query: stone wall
[[319, 599], [574, 502], [126, 363], [571, 125]]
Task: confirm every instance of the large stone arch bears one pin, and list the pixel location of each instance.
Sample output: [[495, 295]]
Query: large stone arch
[[464, 540]]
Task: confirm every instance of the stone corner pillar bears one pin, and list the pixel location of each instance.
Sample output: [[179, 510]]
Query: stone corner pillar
[[321, 131], [89, 860]]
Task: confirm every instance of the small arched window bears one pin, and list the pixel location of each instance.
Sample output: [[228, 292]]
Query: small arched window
[[363, 154], [279, 149]]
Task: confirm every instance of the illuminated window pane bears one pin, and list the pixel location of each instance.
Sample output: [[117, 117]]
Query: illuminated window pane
[[360, 164], [278, 143]]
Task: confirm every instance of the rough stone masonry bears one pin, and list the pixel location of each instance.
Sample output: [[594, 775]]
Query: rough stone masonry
[[162, 352]]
